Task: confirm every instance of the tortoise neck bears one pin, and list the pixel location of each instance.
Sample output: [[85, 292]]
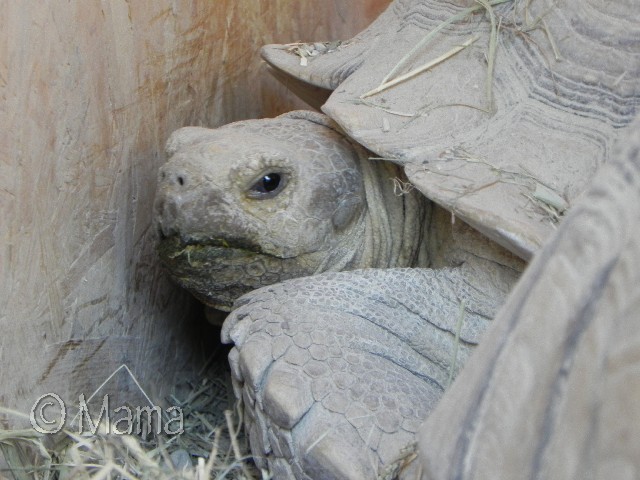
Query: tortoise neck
[[395, 219]]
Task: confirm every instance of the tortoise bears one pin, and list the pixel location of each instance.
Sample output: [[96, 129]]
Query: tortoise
[[363, 252]]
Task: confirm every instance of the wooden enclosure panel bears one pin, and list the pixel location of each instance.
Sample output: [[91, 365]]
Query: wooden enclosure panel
[[89, 92]]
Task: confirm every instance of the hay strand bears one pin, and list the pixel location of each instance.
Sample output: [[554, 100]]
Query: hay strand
[[211, 446], [493, 41], [431, 35], [419, 70]]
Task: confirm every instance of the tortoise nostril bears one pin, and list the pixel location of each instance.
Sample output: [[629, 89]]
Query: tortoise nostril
[[181, 180]]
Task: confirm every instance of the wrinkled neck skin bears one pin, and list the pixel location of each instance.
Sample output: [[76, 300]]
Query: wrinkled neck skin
[[392, 230]]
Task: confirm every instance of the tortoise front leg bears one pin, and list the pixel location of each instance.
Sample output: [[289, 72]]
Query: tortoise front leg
[[338, 371]]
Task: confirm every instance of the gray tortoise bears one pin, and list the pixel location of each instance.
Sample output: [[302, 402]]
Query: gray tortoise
[[413, 247]]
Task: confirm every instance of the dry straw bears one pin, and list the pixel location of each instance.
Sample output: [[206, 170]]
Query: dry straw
[[211, 446]]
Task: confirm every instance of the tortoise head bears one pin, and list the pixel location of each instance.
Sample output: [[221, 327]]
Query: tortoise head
[[256, 202]]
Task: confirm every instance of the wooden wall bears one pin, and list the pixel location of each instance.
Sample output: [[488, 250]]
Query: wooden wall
[[89, 92]]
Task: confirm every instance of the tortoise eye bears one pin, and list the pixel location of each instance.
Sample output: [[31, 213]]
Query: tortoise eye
[[268, 186], [270, 182]]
